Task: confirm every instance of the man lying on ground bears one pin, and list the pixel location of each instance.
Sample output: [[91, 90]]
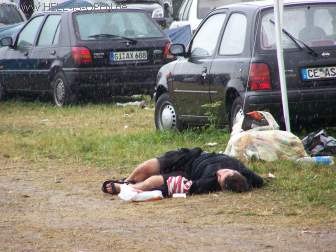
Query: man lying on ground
[[190, 171]]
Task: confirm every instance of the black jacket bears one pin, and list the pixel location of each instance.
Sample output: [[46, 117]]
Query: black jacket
[[203, 172], [201, 168]]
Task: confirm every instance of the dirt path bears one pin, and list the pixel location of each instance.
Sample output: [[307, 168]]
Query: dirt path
[[62, 209]]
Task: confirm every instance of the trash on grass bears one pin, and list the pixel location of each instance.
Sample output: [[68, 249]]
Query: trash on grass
[[127, 193], [179, 195], [320, 160], [140, 104], [319, 144], [211, 144], [256, 136], [270, 175]]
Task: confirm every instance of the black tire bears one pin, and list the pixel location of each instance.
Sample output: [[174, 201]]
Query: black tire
[[2, 92], [62, 94], [165, 114], [237, 107]]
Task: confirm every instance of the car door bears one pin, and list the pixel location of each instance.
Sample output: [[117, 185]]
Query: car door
[[17, 65], [230, 66], [45, 53], [190, 83]]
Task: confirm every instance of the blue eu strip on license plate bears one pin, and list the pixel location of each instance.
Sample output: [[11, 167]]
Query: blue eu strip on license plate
[[111, 56]]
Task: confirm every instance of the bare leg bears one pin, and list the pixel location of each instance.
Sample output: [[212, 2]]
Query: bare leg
[[145, 170], [147, 185], [150, 183]]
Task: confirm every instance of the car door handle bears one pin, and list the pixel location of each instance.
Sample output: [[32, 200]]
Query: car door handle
[[53, 52], [25, 53]]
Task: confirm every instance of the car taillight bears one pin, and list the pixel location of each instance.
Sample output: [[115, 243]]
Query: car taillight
[[81, 55], [166, 53], [259, 78]]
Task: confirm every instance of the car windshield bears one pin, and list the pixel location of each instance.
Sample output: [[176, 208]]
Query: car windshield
[[205, 6], [315, 25], [118, 24], [9, 15]]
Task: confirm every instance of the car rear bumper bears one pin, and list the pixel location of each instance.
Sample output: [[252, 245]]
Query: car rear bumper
[[303, 104], [121, 81]]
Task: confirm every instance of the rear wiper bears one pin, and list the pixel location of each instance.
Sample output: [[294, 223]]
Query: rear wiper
[[106, 35], [297, 41]]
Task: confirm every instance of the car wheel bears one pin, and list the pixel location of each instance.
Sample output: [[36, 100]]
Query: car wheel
[[165, 114], [2, 92], [61, 91], [237, 108]]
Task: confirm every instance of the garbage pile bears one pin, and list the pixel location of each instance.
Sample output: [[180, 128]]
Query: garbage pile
[[256, 136]]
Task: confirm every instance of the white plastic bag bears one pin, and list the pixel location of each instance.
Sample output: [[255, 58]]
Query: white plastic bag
[[264, 142], [128, 193]]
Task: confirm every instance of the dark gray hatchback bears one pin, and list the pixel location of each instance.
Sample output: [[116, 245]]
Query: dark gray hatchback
[[118, 51], [231, 64]]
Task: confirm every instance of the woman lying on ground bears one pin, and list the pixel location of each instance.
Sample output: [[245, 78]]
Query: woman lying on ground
[[190, 171]]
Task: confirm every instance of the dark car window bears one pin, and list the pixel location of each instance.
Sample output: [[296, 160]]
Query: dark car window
[[204, 43], [9, 14], [48, 31], [313, 24], [127, 24], [28, 34], [233, 41], [187, 10]]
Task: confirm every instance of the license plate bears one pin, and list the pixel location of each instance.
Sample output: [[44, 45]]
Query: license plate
[[128, 56], [318, 73]]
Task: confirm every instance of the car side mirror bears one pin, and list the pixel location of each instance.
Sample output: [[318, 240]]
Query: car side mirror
[[7, 41], [177, 50]]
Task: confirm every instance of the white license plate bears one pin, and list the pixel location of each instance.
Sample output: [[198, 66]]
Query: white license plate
[[318, 73], [128, 56]]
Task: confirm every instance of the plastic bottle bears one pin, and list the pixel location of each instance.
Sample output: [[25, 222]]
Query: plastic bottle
[[323, 160]]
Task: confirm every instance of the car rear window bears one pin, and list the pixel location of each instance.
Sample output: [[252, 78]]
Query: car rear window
[[315, 25], [119, 23], [9, 15]]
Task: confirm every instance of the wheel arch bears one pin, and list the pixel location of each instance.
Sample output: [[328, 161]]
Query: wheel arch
[[159, 91], [54, 70], [231, 95]]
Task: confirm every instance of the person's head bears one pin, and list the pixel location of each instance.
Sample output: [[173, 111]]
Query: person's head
[[232, 180]]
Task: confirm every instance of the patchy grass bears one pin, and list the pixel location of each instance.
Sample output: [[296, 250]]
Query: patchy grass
[[117, 138]]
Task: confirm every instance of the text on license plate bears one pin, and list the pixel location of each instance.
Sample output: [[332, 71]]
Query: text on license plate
[[129, 55], [318, 73]]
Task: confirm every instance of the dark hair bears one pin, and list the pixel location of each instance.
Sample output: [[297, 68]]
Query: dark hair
[[236, 183]]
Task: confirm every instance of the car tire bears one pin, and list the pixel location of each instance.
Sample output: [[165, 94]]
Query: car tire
[[62, 94], [236, 108], [2, 92], [165, 114]]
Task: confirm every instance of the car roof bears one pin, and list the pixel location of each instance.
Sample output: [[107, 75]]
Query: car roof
[[270, 3]]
